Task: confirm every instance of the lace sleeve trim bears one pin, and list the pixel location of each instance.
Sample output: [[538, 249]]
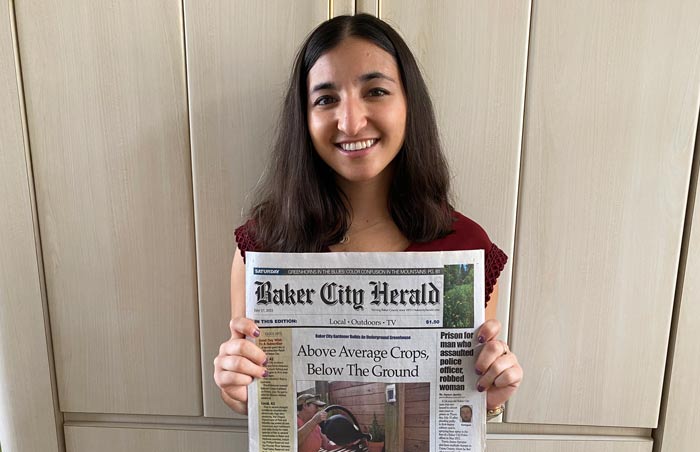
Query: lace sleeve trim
[[244, 240], [495, 262]]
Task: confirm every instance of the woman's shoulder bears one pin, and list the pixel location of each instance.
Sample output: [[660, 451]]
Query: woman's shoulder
[[466, 234]]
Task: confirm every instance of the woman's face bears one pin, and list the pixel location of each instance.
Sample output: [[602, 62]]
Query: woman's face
[[356, 110]]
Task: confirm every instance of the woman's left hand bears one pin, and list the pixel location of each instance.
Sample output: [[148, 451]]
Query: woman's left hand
[[500, 371]]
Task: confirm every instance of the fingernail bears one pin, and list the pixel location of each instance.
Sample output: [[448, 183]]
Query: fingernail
[[478, 372], [265, 374], [264, 363], [480, 388], [481, 339], [256, 333]]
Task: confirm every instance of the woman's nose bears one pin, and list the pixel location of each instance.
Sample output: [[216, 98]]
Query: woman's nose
[[352, 117]]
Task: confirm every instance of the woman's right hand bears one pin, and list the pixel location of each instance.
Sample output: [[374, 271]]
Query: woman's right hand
[[239, 361]]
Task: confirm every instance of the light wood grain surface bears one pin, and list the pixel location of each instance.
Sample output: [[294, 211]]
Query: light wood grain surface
[[110, 439], [28, 418], [680, 419], [152, 439], [569, 430], [558, 444], [107, 116], [367, 7], [237, 75], [493, 428], [473, 56], [342, 7], [611, 104]]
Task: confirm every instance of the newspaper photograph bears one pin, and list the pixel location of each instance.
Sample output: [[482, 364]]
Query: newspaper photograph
[[367, 351]]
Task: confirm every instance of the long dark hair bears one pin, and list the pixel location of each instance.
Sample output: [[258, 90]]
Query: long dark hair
[[300, 208]]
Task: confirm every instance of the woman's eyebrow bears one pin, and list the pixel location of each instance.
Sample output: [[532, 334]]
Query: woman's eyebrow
[[322, 86], [363, 78], [372, 75]]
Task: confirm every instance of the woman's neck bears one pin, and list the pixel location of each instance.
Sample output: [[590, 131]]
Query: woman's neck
[[369, 202], [371, 225]]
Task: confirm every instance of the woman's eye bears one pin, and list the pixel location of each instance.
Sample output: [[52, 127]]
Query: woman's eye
[[324, 100], [377, 92]]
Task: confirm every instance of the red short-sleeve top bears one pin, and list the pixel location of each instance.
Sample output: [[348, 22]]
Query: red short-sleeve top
[[466, 235]]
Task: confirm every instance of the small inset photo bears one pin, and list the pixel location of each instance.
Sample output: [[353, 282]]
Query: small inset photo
[[458, 308], [465, 414]]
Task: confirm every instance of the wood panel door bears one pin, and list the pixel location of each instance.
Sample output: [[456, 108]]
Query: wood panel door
[[367, 7], [680, 419], [611, 108], [581, 444], [473, 57], [107, 115], [134, 439], [239, 58], [28, 418]]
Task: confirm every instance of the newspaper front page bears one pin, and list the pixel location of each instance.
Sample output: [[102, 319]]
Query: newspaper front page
[[383, 342]]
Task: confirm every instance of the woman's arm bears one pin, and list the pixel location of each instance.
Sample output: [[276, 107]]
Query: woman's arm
[[305, 430], [493, 303], [237, 285]]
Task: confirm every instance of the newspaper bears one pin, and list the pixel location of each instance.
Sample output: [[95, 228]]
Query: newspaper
[[383, 342]]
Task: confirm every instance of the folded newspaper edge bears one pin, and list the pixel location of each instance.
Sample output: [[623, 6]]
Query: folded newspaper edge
[[383, 343]]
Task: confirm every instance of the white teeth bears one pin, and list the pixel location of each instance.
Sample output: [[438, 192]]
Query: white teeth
[[357, 145]]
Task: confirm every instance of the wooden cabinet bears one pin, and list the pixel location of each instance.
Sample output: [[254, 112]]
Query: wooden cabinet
[[106, 106], [473, 56], [611, 108], [134, 439], [556, 444], [237, 76], [28, 420], [341, 8], [367, 7], [679, 421]]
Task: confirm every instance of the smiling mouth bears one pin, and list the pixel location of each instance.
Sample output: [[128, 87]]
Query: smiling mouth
[[357, 145]]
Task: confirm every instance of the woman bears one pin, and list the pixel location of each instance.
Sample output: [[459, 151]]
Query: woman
[[357, 166]]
